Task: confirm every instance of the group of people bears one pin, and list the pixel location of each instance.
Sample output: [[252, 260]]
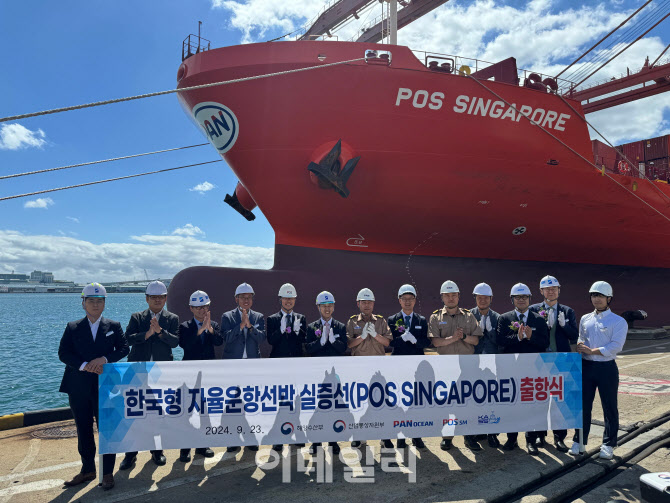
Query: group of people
[[89, 343]]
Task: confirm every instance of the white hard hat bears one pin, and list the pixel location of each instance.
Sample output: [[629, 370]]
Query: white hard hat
[[325, 298], [602, 287], [199, 298], [548, 281], [365, 294], [156, 288], [520, 289], [287, 290], [449, 287], [406, 289], [483, 289], [94, 290], [244, 288]]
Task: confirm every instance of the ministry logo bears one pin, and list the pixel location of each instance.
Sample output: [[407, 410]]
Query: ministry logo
[[339, 426]]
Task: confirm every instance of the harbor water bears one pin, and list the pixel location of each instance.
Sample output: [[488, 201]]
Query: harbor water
[[31, 326]]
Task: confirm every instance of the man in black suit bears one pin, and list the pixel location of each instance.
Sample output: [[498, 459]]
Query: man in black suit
[[410, 336], [326, 337], [522, 331], [86, 345], [563, 332], [198, 336], [152, 334], [286, 332]]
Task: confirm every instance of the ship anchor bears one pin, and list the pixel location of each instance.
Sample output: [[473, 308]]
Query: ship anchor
[[329, 173]]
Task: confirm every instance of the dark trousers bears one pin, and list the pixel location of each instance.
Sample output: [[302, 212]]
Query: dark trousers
[[84, 409], [603, 376], [530, 436], [558, 434]]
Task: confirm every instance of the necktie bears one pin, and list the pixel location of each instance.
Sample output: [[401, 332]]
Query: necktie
[[202, 334], [408, 322]]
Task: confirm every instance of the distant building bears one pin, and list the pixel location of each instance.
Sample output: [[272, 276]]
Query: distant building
[[41, 277], [8, 278]]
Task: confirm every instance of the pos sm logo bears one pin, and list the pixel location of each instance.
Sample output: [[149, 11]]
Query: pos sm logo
[[219, 124]]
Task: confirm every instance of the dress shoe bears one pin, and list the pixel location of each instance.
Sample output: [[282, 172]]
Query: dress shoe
[[387, 444], [335, 447], [560, 446], [509, 445], [539, 441], [312, 449], [402, 443], [158, 458], [253, 448], [574, 450], [233, 448], [532, 449], [80, 478], [185, 455], [472, 444], [205, 451], [355, 444], [278, 447], [494, 443], [128, 462], [445, 445], [418, 443], [107, 482]]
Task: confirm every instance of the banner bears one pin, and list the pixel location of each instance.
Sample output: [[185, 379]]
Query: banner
[[217, 403]]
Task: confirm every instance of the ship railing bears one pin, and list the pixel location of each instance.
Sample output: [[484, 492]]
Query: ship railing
[[450, 63], [194, 44]]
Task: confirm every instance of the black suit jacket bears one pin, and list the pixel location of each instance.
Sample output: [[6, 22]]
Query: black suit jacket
[[509, 342], [195, 347], [564, 335], [158, 347], [286, 345], [313, 345], [418, 328], [77, 346]]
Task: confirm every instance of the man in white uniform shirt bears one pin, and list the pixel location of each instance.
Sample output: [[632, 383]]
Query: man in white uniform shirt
[[602, 335]]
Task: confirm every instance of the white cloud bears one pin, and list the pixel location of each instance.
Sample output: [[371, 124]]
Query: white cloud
[[256, 17], [189, 230], [203, 187], [74, 219], [39, 203], [15, 137], [79, 260]]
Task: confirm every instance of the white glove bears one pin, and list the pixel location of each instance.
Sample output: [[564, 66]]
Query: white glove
[[324, 336], [282, 326], [561, 319], [368, 330], [332, 337], [488, 324], [408, 337], [296, 325], [482, 322]]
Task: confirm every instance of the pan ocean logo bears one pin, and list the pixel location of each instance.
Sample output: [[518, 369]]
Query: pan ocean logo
[[219, 124]]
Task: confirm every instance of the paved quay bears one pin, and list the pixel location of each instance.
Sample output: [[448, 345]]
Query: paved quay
[[34, 464]]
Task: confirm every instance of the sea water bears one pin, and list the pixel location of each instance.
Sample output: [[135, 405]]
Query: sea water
[[31, 327]]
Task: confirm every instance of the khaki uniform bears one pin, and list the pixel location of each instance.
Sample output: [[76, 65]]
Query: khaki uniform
[[369, 346], [444, 325]]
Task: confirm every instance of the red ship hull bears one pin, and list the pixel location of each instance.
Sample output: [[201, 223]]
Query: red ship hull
[[446, 170]]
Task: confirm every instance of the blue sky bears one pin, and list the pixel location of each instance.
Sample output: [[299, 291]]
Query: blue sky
[[64, 53]]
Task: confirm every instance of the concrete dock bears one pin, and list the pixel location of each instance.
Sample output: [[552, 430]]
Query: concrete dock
[[36, 460]]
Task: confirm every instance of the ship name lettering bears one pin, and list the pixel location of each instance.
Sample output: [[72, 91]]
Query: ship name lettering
[[496, 110], [420, 98]]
